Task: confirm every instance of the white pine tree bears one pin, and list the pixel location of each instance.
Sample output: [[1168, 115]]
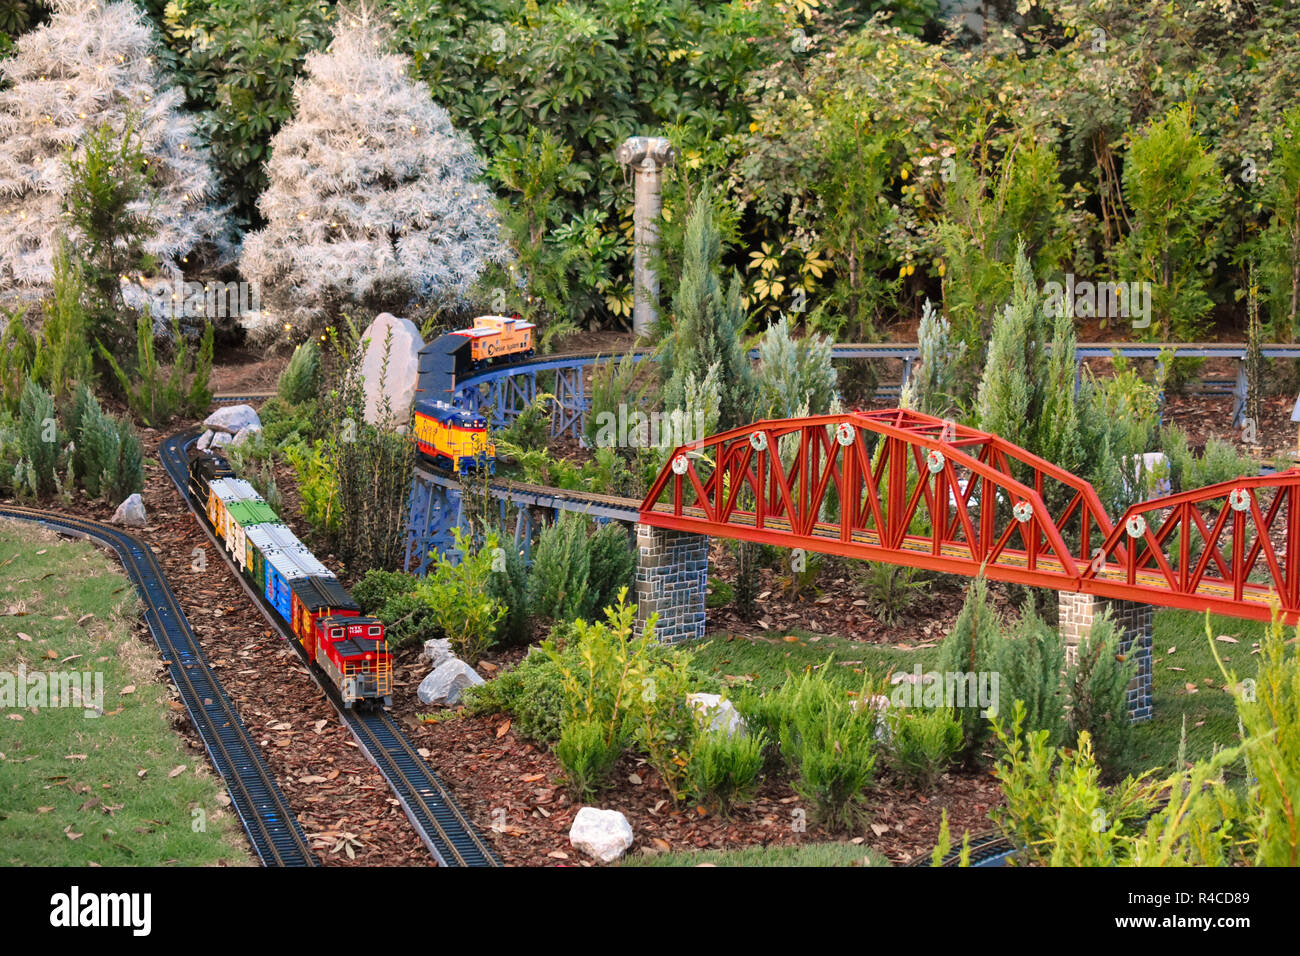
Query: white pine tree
[[93, 64], [373, 199]]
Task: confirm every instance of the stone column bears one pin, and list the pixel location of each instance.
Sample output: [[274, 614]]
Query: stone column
[[1132, 621], [646, 155], [672, 579]]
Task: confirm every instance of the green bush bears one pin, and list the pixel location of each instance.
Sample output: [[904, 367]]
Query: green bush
[[587, 756], [1031, 668], [558, 585], [611, 565], [318, 487], [830, 745], [1097, 692], [1175, 190], [971, 648], [17, 352], [509, 587], [237, 61], [924, 744], [724, 768], [460, 601], [38, 442], [892, 590], [109, 183], [107, 458], [300, 380], [62, 356], [663, 723], [376, 588], [532, 693], [284, 424], [153, 399]]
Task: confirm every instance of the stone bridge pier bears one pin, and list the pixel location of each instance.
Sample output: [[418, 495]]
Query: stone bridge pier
[[1132, 620], [672, 579]]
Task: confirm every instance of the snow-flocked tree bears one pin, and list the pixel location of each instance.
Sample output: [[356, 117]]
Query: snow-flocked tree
[[373, 200], [94, 65]]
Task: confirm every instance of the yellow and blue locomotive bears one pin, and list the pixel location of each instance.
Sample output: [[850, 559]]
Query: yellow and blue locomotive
[[452, 437]]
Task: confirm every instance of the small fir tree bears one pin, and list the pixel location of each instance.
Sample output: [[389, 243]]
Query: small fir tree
[[374, 201], [707, 325]]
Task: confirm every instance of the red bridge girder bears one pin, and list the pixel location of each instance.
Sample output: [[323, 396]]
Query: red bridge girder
[[911, 489]]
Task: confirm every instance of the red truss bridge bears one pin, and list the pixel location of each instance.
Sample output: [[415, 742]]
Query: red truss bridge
[[910, 489]]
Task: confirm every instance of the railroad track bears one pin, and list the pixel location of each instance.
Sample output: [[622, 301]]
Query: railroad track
[[990, 848], [272, 827], [439, 821]]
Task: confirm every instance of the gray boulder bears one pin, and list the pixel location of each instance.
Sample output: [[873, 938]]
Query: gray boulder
[[221, 440], [446, 683], [232, 418], [602, 834], [438, 651], [205, 440], [130, 513], [247, 433], [394, 381]]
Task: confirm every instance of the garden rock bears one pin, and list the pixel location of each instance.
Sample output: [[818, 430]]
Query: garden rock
[[232, 419], [438, 651], [396, 382], [246, 433], [205, 440], [221, 440], [602, 834], [718, 714], [131, 513], [448, 680]]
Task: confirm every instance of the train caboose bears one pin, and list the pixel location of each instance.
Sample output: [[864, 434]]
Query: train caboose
[[496, 338]]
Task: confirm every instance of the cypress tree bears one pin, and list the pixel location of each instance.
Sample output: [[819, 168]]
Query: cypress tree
[[707, 324]]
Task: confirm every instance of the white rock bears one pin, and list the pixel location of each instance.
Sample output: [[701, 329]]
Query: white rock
[[130, 513], [448, 680], [438, 651], [232, 418], [602, 834], [205, 440], [717, 714], [246, 433], [221, 440], [397, 381], [881, 705]]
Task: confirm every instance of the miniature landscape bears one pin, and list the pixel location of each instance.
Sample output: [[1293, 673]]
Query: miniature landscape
[[820, 434]]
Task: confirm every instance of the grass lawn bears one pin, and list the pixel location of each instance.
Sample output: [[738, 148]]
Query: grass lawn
[[1179, 641], [117, 789], [811, 854], [763, 661]]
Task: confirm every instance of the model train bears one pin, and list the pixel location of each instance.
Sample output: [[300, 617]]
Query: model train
[[350, 648], [451, 437]]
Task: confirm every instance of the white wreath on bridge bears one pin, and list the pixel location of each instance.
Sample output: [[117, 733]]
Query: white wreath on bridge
[[1136, 526], [844, 434], [680, 464], [758, 441], [934, 461], [1023, 510], [1239, 499]]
